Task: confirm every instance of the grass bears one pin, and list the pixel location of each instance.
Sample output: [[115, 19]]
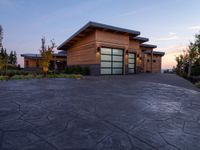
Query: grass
[[32, 76], [197, 84]]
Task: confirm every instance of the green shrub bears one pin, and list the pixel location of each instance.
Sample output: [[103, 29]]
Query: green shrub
[[11, 73], [17, 77], [195, 71], [3, 78], [77, 70], [198, 84], [64, 76]]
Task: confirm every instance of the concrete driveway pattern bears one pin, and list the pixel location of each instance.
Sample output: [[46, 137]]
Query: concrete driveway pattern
[[139, 112]]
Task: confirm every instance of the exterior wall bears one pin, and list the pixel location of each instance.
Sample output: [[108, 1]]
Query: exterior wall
[[32, 63], [134, 46], [36, 63], [83, 52], [156, 64]]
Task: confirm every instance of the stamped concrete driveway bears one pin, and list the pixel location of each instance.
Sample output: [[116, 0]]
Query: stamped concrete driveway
[[144, 112]]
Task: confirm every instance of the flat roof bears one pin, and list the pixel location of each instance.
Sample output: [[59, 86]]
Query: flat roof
[[29, 55], [148, 45], [155, 53], [141, 39], [97, 25]]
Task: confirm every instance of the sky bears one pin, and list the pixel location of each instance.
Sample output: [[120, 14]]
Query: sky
[[169, 24]]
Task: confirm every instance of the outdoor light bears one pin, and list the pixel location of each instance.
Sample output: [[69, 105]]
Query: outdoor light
[[98, 49]]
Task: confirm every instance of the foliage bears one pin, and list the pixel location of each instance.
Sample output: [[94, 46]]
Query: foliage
[[189, 62], [198, 84], [1, 36], [77, 70], [11, 73], [47, 54], [6, 59], [35, 76], [3, 78]]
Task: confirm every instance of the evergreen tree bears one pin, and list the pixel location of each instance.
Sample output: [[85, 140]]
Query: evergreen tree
[[1, 36], [15, 58]]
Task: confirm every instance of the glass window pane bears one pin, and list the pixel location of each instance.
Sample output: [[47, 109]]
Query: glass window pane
[[106, 57], [117, 71], [105, 64], [131, 70], [117, 58], [131, 65], [117, 52], [118, 64], [105, 71], [105, 51], [131, 55], [131, 61]]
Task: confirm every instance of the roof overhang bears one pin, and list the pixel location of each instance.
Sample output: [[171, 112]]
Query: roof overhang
[[148, 46], [91, 26], [140, 39], [155, 53]]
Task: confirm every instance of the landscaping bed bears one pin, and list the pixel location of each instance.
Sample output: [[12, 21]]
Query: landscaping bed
[[40, 76]]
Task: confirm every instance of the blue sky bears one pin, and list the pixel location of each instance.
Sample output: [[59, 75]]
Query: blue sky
[[169, 24]]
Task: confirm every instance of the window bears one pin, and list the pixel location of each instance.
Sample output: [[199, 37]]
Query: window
[[148, 60], [111, 61], [131, 63], [154, 61]]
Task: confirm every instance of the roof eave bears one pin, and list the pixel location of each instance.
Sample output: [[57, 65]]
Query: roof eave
[[98, 25]]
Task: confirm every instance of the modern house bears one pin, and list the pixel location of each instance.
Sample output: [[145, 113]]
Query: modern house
[[111, 50], [33, 61]]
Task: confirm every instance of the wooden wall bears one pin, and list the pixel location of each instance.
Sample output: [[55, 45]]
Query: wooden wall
[[83, 51], [156, 66]]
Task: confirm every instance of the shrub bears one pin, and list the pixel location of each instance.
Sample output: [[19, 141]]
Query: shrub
[[195, 71], [77, 70], [64, 76], [198, 84], [3, 78]]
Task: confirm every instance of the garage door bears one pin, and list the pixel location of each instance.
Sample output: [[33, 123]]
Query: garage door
[[131, 63], [111, 61]]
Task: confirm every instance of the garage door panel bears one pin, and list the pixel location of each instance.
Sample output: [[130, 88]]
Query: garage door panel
[[111, 61]]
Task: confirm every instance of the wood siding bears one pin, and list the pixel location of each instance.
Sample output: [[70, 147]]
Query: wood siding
[[83, 51], [157, 61]]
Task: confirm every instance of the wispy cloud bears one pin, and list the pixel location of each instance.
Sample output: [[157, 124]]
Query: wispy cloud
[[194, 27], [168, 61], [171, 36]]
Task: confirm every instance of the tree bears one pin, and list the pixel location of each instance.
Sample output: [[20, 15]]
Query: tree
[[47, 54], [192, 56], [190, 61], [1, 36]]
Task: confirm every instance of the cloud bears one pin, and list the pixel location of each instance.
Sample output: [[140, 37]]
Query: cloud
[[171, 36], [173, 48], [168, 61], [194, 28]]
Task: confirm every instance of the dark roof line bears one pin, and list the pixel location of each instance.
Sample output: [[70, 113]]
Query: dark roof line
[[39, 55], [148, 45], [142, 39], [155, 52], [99, 25]]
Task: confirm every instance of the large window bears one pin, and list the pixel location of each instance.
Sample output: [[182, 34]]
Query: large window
[[131, 63], [111, 61]]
